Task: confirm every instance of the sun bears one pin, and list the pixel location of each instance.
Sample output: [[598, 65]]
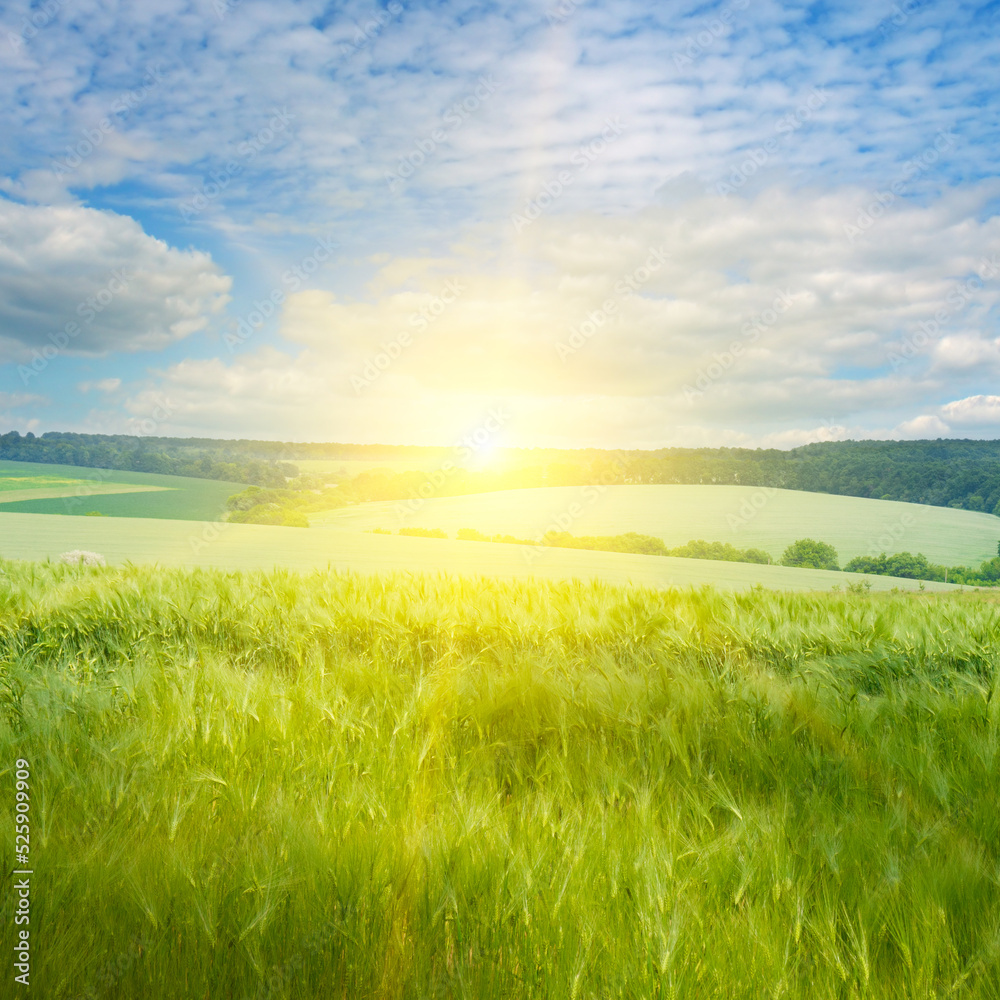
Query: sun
[[485, 456]]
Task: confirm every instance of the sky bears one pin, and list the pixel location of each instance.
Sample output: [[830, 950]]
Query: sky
[[565, 224]]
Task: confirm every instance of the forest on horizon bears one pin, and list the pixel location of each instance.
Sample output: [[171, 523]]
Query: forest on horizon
[[945, 473]]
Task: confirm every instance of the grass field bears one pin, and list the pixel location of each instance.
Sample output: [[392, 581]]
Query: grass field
[[18, 485], [113, 492], [271, 787], [253, 546], [745, 516], [83, 489]]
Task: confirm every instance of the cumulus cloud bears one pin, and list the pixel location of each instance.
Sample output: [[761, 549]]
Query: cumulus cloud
[[105, 385], [738, 293], [974, 416], [694, 95], [975, 410], [11, 403], [966, 352], [90, 282], [756, 314], [922, 428], [831, 291]]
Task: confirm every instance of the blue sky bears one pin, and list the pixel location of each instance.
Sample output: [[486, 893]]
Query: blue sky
[[621, 225]]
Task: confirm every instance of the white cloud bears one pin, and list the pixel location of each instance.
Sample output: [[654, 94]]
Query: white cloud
[[11, 403], [750, 314], [922, 428], [848, 348], [218, 80], [966, 352], [89, 282], [106, 385], [974, 410], [13, 400]]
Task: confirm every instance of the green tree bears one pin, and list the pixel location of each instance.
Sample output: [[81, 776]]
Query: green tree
[[989, 571], [810, 554]]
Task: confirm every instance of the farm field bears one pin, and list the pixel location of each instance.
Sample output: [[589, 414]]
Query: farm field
[[21, 495], [71, 490], [251, 546], [11, 482], [19, 482], [745, 516], [274, 786]]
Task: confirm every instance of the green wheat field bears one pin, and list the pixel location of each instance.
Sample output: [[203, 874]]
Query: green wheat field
[[270, 785], [36, 488]]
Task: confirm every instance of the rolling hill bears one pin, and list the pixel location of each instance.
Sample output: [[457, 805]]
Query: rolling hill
[[252, 546], [745, 516], [38, 488], [174, 521]]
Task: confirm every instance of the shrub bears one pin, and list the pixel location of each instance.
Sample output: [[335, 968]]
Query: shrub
[[904, 564], [265, 513], [632, 541], [807, 553], [247, 499], [270, 513], [721, 551]]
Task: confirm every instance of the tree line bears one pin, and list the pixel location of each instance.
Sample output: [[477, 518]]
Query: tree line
[[944, 473], [808, 552], [165, 456]]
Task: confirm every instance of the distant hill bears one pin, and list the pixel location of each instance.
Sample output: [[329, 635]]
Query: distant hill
[[144, 541], [944, 473], [743, 516], [35, 488]]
